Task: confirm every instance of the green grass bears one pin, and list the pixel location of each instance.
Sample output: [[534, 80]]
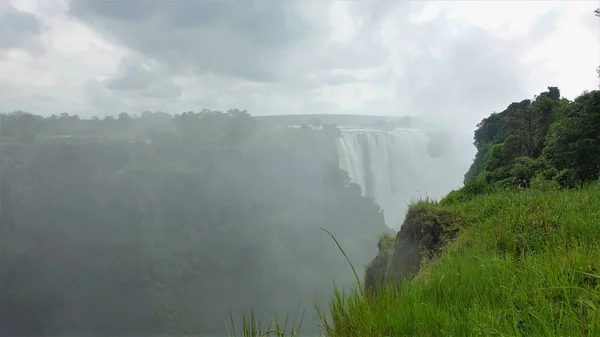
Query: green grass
[[527, 263], [252, 327]]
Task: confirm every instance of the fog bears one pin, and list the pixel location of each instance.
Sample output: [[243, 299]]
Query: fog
[[163, 223]]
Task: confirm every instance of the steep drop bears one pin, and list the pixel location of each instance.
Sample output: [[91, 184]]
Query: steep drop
[[397, 166]]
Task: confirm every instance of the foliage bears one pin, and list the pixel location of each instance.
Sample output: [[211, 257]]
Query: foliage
[[574, 142], [471, 189], [547, 133], [251, 326], [543, 183]]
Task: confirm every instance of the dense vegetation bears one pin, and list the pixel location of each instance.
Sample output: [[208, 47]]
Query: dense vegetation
[[515, 252], [548, 137], [161, 223]]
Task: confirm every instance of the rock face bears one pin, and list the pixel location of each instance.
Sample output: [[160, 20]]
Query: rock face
[[425, 231]]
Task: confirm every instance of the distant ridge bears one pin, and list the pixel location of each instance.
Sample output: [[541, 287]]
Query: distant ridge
[[341, 119]]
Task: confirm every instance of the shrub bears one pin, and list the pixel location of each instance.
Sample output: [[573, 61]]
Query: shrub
[[541, 183], [566, 179], [475, 187]]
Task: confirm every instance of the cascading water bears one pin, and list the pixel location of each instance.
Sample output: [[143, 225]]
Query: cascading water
[[398, 166]]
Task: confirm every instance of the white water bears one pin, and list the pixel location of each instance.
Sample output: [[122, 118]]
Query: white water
[[395, 167]]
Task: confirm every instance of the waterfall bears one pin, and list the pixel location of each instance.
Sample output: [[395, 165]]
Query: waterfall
[[398, 166]]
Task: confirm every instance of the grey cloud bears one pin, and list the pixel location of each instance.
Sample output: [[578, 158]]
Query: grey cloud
[[476, 73], [245, 39], [365, 50], [11, 100], [372, 12], [256, 40], [135, 83], [337, 78], [133, 77], [319, 107], [545, 25], [19, 30], [101, 100], [97, 96]]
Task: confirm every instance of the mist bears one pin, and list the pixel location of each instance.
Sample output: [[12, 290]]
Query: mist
[[174, 223]]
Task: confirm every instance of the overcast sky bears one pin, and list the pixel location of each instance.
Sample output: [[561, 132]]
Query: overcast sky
[[458, 60]]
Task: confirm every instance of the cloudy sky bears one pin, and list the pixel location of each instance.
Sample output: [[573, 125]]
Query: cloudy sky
[[457, 60]]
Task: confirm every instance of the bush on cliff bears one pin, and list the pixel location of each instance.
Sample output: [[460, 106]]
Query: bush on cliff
[[426, 229]]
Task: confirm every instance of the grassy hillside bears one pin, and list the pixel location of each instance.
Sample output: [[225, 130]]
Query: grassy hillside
[[525, 263], [515, 252], [521, 262]]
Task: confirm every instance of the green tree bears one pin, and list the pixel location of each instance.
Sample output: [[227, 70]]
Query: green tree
[[519, 130], [574, 141], [552, 93], [531, 124]]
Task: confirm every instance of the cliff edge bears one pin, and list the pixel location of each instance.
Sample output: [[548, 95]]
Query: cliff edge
[[426, 230]]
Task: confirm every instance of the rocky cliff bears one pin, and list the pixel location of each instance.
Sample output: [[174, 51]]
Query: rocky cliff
[[427, 228]]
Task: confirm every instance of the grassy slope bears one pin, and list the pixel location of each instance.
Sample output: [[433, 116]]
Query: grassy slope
[[525, 264]]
